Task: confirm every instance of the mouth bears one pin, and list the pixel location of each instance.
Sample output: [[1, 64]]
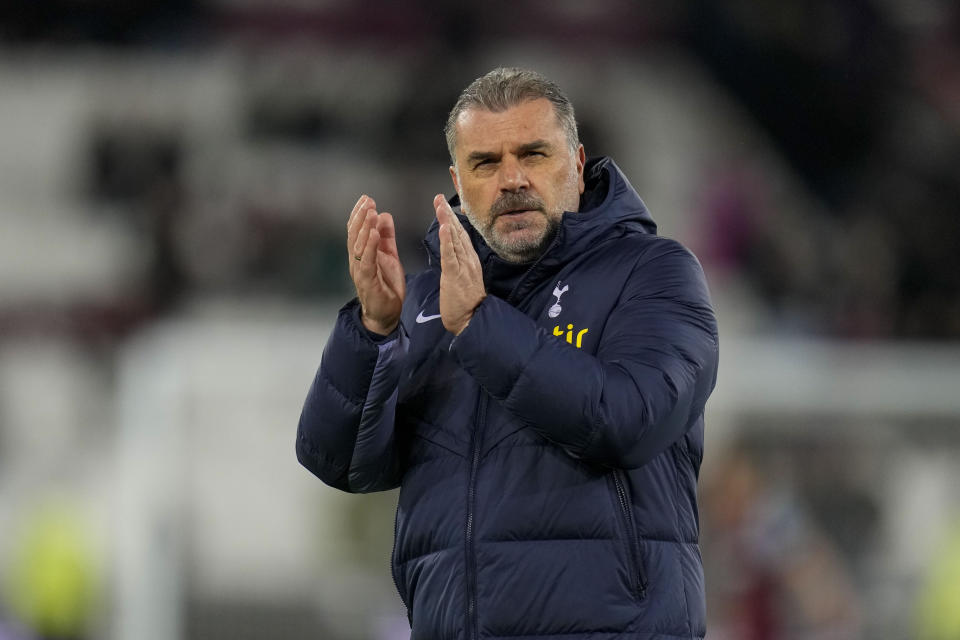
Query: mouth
[[517, 212]]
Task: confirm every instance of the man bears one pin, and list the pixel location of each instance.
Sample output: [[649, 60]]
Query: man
[[537, 393]]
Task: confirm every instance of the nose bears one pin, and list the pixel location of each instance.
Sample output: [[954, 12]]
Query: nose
[[512, 176]]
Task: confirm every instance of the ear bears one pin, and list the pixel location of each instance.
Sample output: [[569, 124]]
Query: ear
[[456, 179], [581, 163]]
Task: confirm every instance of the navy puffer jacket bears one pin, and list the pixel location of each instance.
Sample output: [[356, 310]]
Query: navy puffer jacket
[[547, 456]]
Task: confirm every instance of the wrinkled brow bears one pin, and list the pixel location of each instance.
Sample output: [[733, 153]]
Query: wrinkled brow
[[536, 145], [478, 156]]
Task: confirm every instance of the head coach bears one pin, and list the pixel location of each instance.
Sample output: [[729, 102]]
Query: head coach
[[537, 393]]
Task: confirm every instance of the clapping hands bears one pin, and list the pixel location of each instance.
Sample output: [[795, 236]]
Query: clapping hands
[[375, 266], [378, 275]]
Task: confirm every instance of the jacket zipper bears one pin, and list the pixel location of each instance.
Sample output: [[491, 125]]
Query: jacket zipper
[[471, 572], [633, 542], [472, 622]]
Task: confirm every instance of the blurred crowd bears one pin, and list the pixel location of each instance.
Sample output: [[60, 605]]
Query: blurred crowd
[[862, 97], [858, 99], [859, 96]]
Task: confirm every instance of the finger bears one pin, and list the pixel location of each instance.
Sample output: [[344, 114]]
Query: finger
[[356, 209], [440, 203], [468, 251], [462, 237], [368, 257], [351, 222], [455, 232], [444, 212], [388, 234], [365, 202], [461, 240], [367, 223], [388, 258], [445, 216], [448, 255], [391, 271], [357, 216]]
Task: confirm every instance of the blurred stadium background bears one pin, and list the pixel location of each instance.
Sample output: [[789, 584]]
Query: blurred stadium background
[[174, 181]]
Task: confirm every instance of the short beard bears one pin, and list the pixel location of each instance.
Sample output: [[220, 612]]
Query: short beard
[[512, 201], [526, 252]]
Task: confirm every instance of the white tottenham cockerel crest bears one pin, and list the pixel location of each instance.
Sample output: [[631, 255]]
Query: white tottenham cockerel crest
[[555, 310]]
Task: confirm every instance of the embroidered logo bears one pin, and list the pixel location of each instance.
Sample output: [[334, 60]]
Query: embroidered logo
[[555, 310], [422, 318]]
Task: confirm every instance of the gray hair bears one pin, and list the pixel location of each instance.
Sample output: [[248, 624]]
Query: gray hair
[[506, 87]]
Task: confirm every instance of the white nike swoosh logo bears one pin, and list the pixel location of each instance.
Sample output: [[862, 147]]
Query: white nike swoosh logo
[[422, 318]]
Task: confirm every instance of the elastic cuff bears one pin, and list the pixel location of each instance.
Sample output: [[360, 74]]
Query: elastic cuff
[[375, 337]]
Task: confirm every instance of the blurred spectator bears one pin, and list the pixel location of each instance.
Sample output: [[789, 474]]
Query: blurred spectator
[[858, 99], [771, 574]]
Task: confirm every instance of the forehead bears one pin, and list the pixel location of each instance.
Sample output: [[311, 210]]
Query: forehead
[[479, 129]]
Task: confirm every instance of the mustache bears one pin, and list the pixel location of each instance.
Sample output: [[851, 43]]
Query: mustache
[[514, 201]]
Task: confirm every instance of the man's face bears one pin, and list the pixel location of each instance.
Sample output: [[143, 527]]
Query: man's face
[[516, 175]]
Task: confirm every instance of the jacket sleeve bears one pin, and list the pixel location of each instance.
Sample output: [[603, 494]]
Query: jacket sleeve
[[648, 382], [346, 432]]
